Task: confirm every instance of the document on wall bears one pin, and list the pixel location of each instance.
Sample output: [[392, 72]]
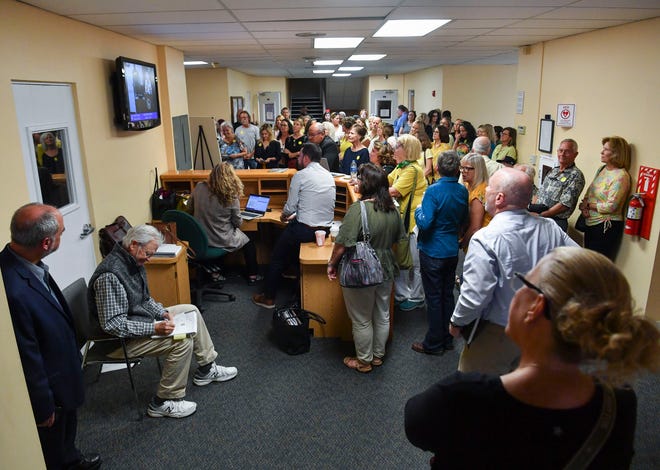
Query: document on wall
[[185, 324]]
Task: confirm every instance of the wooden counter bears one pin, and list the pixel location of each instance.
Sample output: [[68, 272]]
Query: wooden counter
[[168, 279], [264, 182]]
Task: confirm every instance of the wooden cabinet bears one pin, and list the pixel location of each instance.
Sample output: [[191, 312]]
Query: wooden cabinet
[[168, 279]]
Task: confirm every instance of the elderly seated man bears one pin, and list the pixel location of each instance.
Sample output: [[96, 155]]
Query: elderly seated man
[[119, 295]]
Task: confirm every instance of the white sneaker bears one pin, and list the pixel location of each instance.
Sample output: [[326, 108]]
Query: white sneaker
[[216, 374], [172, 409]]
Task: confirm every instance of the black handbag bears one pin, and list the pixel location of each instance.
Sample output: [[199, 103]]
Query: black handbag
[[291, 330], [161, 200], [581, 223], [360, 266]]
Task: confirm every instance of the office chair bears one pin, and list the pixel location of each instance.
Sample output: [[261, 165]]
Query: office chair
[[189, 230], [96, 343]]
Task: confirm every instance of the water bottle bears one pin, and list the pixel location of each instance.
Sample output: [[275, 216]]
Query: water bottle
[[353, 170]]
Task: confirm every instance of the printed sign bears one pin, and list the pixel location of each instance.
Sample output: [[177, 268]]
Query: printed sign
[[565, 115]]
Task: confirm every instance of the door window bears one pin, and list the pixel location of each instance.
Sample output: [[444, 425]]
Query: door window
[[51, 152]]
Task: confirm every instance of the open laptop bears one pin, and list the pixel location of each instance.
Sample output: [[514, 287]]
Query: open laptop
[[256, 207]]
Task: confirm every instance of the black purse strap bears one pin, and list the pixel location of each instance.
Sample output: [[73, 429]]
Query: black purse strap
[[585, 455], [314, 316], [156, 181]]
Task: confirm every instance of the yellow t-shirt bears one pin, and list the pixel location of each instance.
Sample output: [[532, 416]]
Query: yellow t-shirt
[[401, 179], [479, 193]]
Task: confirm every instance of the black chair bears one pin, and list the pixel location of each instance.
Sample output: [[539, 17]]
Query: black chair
[[189, 230], [96, 343]]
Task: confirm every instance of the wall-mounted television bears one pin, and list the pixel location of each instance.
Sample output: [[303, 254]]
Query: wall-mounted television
[[135, 86]]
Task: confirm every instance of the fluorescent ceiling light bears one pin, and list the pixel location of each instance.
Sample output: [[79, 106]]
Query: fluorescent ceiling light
[[367, 56], [408, 28], [323, 71], [349, 69], [337, 43], [341, 74], [194, 62], [328, 62]]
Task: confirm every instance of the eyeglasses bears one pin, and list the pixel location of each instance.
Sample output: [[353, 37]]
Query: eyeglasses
[[147, 254], [521, 278], [466, 168]]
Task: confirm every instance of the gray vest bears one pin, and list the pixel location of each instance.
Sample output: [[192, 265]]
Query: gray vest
[[131, 276]]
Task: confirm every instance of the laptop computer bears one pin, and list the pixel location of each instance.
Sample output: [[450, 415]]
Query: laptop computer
[[256, 207]]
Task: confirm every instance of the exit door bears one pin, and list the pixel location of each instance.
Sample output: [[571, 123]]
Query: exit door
[[269, 106]]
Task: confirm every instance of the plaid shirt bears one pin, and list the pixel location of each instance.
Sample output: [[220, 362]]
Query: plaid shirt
[[112, 305], [562, 186]]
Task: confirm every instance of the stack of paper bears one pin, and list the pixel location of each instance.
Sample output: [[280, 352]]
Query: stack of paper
[[167, 250]]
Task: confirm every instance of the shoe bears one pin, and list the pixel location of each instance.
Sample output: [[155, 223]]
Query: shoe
[[216, 374], [356, 364], [262, 301], [253, 280], [408, 305], [290, 274], [172, 409], [87, 462], [377, 361], [419, 347]]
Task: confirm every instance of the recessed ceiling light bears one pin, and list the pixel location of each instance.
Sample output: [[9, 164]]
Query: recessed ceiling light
[[349, 69], [336, 43], [194, 62], [323, 71], [341, 74], [408, 28], [367, 56], [328, 62]]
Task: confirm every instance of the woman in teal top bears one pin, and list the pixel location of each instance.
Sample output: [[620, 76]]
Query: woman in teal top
[[369, 307]]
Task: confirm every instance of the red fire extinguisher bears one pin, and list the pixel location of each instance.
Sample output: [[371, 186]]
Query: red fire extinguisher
[[634, 215]]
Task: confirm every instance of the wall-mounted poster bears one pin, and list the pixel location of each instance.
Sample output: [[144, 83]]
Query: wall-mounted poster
[[565, 115]]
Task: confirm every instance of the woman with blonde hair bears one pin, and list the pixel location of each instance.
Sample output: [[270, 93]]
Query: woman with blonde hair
[[606, 197], [215, 204], [572, 313], [475, 177], [382, 156], [407, 185], [486, 130], [267, 150]]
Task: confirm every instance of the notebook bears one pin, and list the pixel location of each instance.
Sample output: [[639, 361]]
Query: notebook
[[256, 207]]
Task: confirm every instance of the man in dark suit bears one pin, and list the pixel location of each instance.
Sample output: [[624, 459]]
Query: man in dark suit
[[45, 335], [329, 149]]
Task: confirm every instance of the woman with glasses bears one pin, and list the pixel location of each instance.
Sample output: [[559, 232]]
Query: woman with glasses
[[369, 307], [505, 152], [475, 178], [572, 313], [232, 149]]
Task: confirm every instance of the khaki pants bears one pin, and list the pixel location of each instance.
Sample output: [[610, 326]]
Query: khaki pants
[[177, 354], [491, 352]]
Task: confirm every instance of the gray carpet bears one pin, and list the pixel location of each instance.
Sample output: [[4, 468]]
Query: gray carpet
[[306, 411]]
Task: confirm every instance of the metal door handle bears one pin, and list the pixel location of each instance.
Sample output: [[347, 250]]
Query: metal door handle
[[86, 231]]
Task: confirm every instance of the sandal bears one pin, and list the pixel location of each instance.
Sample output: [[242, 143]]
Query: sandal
[[356, 364], [377, 361]]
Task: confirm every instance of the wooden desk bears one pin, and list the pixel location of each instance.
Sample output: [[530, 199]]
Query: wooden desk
[[320, 295], [273, 184], [168, 279]]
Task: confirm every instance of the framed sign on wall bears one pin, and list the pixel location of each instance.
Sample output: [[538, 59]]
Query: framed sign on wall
[[546, 134]]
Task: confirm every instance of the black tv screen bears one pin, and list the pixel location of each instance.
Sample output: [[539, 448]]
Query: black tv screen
[[136, 95]]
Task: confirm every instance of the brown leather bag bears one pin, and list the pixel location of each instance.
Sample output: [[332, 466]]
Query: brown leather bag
[[112, 234], [168, 229]]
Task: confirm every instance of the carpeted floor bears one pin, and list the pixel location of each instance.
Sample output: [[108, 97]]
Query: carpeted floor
[[306, 411]]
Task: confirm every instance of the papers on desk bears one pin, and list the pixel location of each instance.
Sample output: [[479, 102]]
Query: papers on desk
[[337, 175], [185, 324], [167, 250], [277, 170]]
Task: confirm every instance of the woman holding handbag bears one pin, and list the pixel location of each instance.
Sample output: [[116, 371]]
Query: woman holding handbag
[[407, 185], [369, 307], [574, 306], [606, 197]]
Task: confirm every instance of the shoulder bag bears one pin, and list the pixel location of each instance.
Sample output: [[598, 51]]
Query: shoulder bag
[[161, 200], [360, 266], [404, 258], [291, 332], [112, 234]]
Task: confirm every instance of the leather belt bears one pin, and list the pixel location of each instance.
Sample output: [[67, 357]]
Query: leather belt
[[326, 229]]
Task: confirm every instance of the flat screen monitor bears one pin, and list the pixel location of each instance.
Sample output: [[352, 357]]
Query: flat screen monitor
[[136, 95]]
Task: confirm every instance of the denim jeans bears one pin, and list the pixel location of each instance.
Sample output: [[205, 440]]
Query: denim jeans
[[438, 276], [286, 253]]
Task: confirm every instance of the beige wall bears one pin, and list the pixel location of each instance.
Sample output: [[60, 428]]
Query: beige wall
[[612, 77], [424, 82], [480, 93], [208, 93]]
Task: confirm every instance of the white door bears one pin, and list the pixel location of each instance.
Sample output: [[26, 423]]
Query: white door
[[51, 155], [269, 106]]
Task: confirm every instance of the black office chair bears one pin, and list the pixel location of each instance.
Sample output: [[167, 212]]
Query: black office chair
[[96, 343], [189, 230]]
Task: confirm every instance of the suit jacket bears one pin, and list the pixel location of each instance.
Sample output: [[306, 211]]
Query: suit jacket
[[331, 152], [46, 340]]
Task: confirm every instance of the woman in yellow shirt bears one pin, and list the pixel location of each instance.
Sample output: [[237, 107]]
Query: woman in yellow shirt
[[440, 144], [475, 178]]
